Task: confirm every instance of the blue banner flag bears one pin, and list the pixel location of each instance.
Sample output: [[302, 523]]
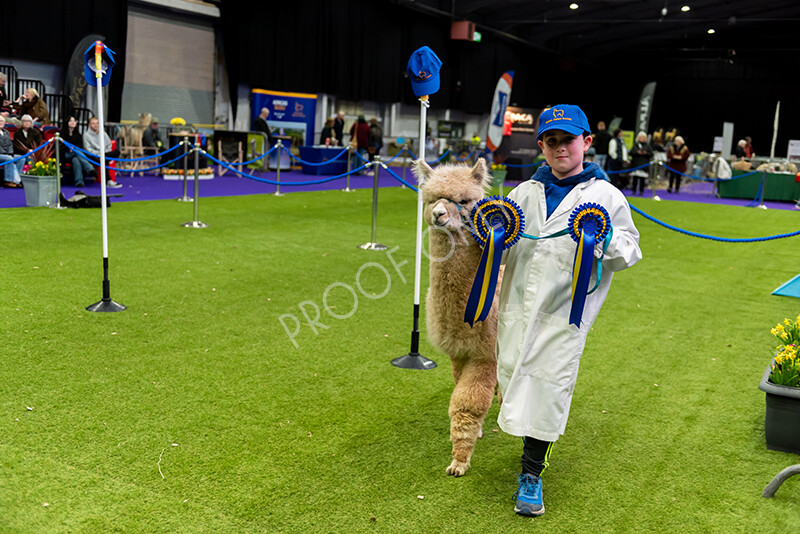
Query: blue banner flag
[[98, 58]]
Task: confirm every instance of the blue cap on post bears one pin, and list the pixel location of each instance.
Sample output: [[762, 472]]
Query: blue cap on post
[[90, 64], [565, 117], [423, 69]]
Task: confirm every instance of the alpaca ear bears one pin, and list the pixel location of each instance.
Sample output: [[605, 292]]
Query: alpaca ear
[[422, 171], [481, 174]]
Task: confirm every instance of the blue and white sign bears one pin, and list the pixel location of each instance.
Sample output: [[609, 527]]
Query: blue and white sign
[[290, 114]]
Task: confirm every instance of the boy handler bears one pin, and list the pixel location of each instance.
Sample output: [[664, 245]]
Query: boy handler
[[537, 349]]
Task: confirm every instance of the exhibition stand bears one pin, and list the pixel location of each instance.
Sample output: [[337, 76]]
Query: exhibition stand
[[777, 186]]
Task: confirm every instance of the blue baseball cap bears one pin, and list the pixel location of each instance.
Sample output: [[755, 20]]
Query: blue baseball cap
[[423, 69], [565, 117]]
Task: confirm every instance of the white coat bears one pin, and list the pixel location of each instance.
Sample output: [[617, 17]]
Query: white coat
[[538, 350]]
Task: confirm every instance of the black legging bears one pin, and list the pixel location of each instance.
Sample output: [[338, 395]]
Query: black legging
[[674, 178], [535, 456], [638, 183]]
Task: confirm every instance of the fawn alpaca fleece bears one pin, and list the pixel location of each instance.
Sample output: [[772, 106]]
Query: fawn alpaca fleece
[[448, 192]]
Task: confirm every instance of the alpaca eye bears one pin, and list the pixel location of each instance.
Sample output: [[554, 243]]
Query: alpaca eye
[[464, 202]]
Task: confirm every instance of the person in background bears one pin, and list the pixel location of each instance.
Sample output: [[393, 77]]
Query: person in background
[[31, 104], [641, 154], [338, 128], [26, 138], [12, 170], [80, 165], [617, 156], [91, 143], [748, 148], [359, 136], [260, 125], [375, 138], [677, 154], [740, 151], [327, 134], [601, 140], [5, 103], [151, 137]]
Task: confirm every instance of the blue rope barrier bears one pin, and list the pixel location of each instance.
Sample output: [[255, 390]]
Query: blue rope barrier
[[304, 162], [262, 156], [23, 156], [91, 155], [273, 182], [397, 155], [446, 152], [149, 168], [630, 170], [465, 158], [710, 179], [97, 164], [400, 179], [711, 237]]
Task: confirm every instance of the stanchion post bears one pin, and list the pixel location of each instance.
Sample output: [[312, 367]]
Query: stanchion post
[[373, 244], [185, 197], [278, 148], [415, 360], [56, 141], [349, 168], [761, 204], [657, 172], [105, 304], [196, 223]]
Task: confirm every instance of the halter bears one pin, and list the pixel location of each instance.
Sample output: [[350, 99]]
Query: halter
[[464, 218]]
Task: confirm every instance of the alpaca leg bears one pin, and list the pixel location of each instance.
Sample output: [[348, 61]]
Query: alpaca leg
[[471, 400]]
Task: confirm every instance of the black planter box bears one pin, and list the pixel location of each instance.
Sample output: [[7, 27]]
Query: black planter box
[[782, 422]]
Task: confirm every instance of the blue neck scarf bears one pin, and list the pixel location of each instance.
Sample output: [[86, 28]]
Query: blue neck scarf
[[555, 190]]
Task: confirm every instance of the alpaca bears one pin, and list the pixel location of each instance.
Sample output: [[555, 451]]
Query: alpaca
[[449, 193]]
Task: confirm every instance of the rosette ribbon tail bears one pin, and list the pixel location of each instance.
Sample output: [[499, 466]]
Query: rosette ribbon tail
[[582, 270], [483, 289]]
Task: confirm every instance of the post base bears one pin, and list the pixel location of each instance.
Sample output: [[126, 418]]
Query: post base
[[106, 305], [348, 190], [414, 360], [184, 198], [656, 197], [194, 224], [279, 194], [372, 246]]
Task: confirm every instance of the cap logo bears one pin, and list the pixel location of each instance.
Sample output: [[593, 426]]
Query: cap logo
[[422, 75], [558, 115]]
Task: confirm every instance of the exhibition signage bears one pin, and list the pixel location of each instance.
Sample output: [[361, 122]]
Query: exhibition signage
[[291, 114], [793, 151], [502, 95], [645, 107]]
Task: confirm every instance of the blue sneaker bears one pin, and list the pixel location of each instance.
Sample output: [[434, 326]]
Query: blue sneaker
[[529, 496]]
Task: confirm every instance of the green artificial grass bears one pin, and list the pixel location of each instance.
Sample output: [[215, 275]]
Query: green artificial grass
[[198, 378]]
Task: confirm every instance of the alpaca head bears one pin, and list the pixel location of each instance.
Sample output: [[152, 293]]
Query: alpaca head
[[450, 191]]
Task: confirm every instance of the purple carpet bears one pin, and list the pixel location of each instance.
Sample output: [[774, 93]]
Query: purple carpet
[[150, 187]]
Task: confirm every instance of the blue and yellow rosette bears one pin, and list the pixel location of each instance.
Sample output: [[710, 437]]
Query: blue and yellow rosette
[[588, 225], [496, 223]]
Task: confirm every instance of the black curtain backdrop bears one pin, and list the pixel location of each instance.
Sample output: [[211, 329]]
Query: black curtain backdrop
[[48, 32], [358, 50]]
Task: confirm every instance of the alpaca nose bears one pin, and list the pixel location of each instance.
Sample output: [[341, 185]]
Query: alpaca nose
[[439, 213]]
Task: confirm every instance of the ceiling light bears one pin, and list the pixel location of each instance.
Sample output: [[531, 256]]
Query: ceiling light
[[664, 11], [711, 30], [573, 6], [685, 8]]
